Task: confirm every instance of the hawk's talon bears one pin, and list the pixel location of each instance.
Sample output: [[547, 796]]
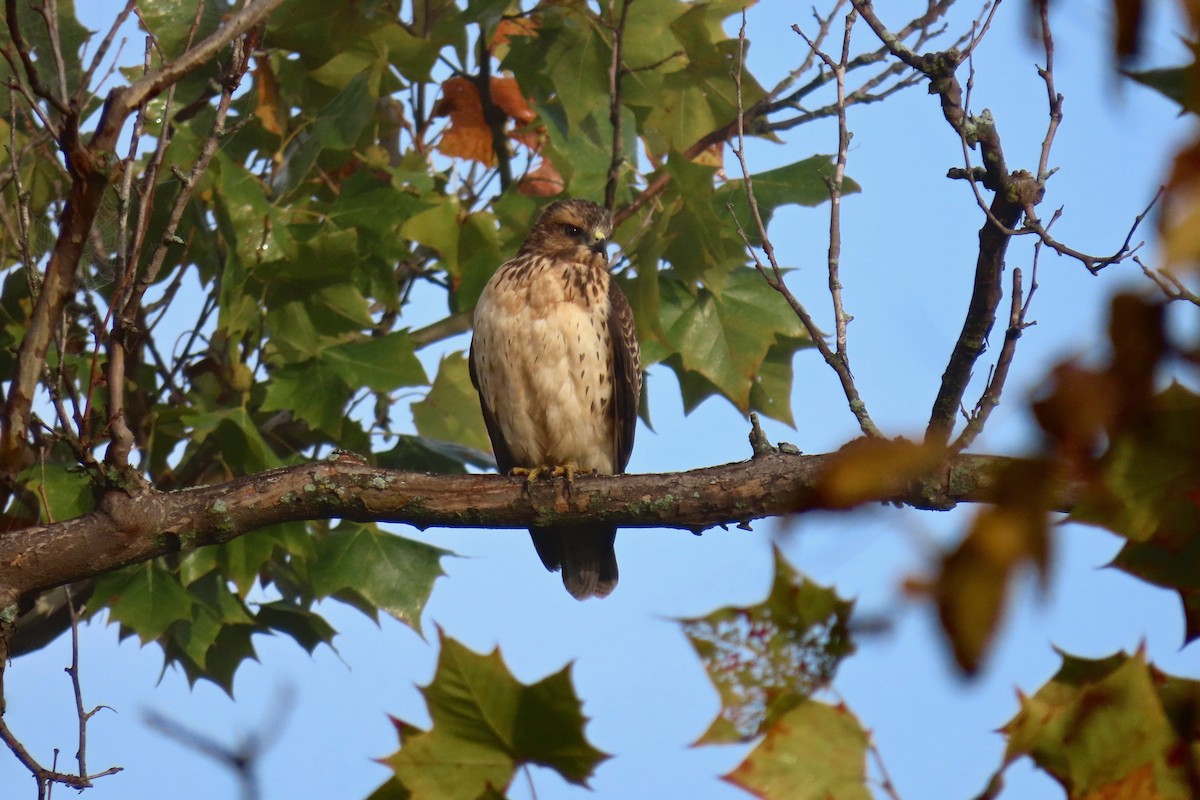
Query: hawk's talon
[[567, 472]]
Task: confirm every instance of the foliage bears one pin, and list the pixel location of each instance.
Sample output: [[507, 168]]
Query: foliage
[[298, 213], [486, 725], [766, 659], [1111, 727]]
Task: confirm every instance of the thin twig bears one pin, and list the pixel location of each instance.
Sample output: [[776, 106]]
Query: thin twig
[[774, 275], [615, 73]]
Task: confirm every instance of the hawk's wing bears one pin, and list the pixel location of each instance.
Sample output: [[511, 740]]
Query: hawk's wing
[[504, 459], [627, 374]]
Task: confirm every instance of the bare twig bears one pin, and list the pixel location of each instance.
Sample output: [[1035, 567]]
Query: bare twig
[[25, 54], [242, 759], [885, 778], [995, 385], [837, 358], [1168, 284], [106, 43]]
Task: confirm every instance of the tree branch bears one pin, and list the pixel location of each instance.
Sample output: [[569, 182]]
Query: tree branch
[[89, 167], [129, 529]]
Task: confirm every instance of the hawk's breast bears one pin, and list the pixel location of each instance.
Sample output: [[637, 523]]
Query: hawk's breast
[[544, 361]]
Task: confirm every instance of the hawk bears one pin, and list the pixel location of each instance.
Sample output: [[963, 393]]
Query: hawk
[[555, 360]]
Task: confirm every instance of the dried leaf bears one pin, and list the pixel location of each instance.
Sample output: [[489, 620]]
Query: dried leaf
[[468, 135], [1113, 728], [972, 586], [268, 107], [874, 469], [543, 181], [768, 658]]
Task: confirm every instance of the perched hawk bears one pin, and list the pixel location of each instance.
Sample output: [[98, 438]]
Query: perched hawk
[[555, 360]]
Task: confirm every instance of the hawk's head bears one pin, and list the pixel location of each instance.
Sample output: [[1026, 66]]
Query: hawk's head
[[576, 230]]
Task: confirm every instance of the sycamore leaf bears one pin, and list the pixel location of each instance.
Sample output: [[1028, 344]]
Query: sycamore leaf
[[802, 183], [486, 724], [308, 628], [874, 469], [725, 339], [223, 654], [391, 573], [1174, 83], [769, 658], [337, 127], [813, 752], [1146, 492], [450, 411], [1114, 727], [419, 454], [145, 599], [268, 108]]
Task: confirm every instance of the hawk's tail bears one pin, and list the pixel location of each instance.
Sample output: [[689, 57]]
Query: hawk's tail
[[584, 554]]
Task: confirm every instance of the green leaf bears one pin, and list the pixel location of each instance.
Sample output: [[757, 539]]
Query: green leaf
[[206, 650], [479, 249], [418, 454], [313, 392], [802, 184], [1181, 84], [486, 724], [145, 599], [171, 23], [338, 126], [767, 659], [704, 245], [381, 363], [813, 752], [317, 390], [726, 339], [450, 412], [437, 229], [1114, 727], [67, 493], [390, 572], [242, 446], [308, 628]]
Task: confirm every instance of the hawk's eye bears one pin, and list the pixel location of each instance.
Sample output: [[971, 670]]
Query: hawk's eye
[[573, 230]]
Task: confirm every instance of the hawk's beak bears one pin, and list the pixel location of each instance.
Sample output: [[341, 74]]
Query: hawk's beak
[[599, 243]]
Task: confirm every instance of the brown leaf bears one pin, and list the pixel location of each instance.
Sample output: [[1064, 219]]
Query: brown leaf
[[1129, 18], [268, 108], [544, 181], [468, 135], [506, 94], [1082, 404], [872, 469], [972, 587]]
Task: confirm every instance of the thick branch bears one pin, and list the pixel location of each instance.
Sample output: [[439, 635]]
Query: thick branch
[[129, 529]]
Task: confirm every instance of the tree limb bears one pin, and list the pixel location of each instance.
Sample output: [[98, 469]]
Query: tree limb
[[129, 529]]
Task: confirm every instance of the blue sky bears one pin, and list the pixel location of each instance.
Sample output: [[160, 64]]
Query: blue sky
[[909, 244]]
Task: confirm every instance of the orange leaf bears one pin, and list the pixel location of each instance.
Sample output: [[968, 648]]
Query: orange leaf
[[508, 28], [506, 94], [467, 135], [268, 108], [545, 181]]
